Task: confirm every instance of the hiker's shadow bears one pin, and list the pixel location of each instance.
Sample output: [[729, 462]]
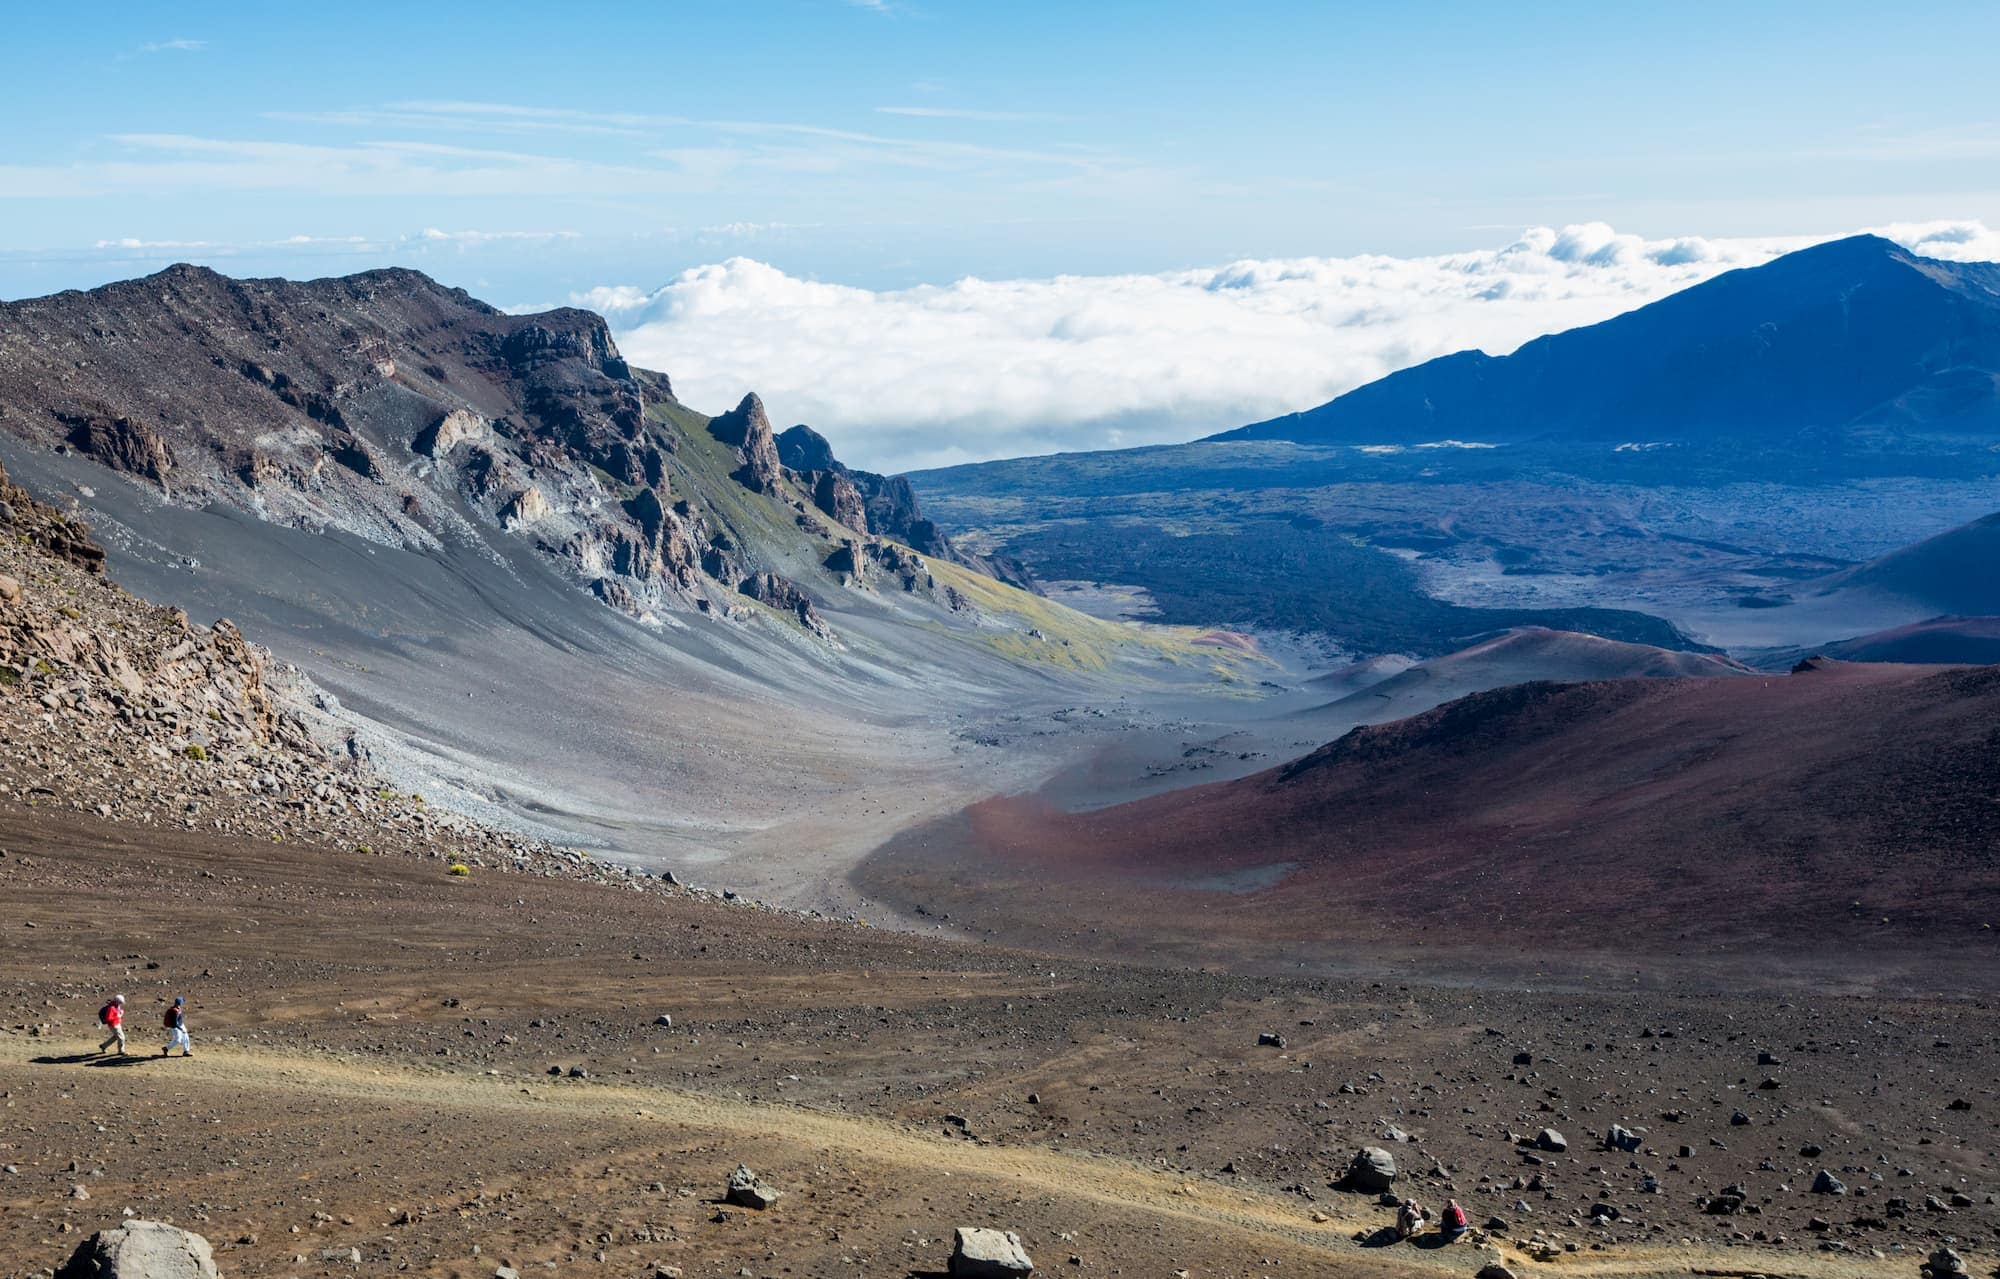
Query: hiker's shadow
[[1382, 1238], [1435, 1239], [69, 1059], [134, 1059]]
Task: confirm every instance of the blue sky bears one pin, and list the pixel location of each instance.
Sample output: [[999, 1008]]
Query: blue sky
[[912, 140], [1088, 158]]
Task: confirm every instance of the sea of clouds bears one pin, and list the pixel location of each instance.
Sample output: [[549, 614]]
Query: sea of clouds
[[928, 376]]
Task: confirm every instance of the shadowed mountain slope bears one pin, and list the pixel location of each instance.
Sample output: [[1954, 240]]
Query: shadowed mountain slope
[[1842, 805], [1966, 641], [1514, 657], [1956, 572]]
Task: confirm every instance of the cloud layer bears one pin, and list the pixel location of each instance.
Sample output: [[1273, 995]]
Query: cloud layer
[[980, 369]]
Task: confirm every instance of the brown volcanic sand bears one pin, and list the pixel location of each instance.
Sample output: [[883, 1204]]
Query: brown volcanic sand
[[338, 1101], [1839, 824]]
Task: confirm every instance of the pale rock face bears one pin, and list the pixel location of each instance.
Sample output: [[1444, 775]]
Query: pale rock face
[[526, 507], [460, 426]]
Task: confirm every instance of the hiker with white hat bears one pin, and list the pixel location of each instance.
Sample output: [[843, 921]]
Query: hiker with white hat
[[112, 1018]]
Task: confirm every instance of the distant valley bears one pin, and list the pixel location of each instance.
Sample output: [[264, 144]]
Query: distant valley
[[1829, 408]]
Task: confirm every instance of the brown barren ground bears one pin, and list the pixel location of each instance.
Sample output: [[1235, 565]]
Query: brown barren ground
[[374, 1040]]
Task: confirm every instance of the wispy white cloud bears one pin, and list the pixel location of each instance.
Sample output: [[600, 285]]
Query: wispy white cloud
[[132, 242], [435, 236], [686, 156], [990, 368], [970, 113], [181, 45]]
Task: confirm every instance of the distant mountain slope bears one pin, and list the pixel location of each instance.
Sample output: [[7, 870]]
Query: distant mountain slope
[[1515, 657], [1956, 572], [1845, 335], [409, 414], [1943, 641], [1817, 810]]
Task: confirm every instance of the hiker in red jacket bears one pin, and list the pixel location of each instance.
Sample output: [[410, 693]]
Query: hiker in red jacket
[[112, 1018], [1453, 1222]]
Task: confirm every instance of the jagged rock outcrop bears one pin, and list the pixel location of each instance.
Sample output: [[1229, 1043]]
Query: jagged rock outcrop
[[881, 505], [747, 429], [834, 493], [119, 443], [784, 595], [902, 565]]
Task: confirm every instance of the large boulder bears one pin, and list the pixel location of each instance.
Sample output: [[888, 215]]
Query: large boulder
[[747, 1190], [1372, 1169], [1552, 1141], [141, 1250], [978, 1253]]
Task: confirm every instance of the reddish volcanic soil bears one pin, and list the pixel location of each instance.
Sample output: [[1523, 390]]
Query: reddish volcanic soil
[[1842, 819], [371, 1093]]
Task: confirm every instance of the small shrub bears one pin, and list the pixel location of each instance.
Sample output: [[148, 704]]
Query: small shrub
[[460, 869], [196, 752]]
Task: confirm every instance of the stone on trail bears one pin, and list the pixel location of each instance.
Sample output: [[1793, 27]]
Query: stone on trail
[[1270, 1039], [141, 1250], [664, 1020], [1494, 1270], [1621, 1138], [1828, 1184], [1945, 1263], [746, 1190], [979, 1253], [1372, 1169], [1552, 1141]]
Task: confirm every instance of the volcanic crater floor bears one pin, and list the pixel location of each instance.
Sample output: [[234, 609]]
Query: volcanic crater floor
[[441, 1076]]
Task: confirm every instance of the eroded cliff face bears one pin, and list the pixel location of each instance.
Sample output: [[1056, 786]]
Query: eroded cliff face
[[879, 505], [389, 407]]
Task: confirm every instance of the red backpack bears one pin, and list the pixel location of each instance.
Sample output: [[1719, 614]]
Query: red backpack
[[1454, 1217], [104, 1015], [168, 1019]]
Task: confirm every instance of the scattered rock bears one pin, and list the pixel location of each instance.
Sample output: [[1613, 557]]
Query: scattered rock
[[980, 1253], [1372, 1169], [1552, 1141], [1828, 1184], [141, 1250], [747, 1191]]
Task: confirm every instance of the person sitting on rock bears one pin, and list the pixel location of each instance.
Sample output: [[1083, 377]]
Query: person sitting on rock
[[112, 1018], [1452, 1222], [176, 1023], [1409, 1220]]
